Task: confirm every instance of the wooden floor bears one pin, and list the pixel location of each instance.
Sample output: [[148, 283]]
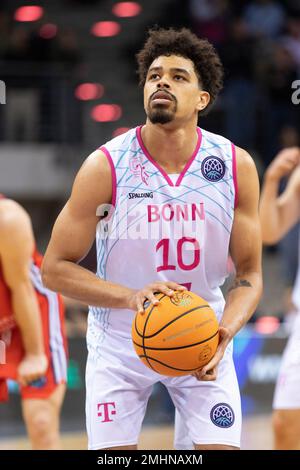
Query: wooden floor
[[257, 434]]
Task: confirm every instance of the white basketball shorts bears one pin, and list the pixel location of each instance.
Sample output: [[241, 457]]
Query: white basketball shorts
[[287, 391], [118, 386]]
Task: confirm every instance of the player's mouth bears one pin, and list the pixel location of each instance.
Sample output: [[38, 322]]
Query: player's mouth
[[162, 97]]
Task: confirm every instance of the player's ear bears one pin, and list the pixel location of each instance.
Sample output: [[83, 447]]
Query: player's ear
[[203, 100]]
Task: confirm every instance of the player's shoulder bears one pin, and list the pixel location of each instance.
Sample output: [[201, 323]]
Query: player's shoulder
[[11, 211], [247, 177], [12, 216], [215, 139], [121, 141], [244, 161], [100, 160]]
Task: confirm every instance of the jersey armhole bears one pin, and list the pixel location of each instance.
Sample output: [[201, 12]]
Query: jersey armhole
[[234, 176], [113, 175]]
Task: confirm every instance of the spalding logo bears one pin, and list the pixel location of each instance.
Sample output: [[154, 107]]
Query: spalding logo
[[181, 299], [205, 353]]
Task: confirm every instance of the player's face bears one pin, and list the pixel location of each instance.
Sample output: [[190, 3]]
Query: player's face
[[172, 90]]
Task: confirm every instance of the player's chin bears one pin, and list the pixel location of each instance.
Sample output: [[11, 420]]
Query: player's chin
[[160, 115]]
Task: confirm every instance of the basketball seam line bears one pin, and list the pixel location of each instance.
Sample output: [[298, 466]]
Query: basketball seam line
[[178, 347], [172, 321], [145, 329], [166, 365]]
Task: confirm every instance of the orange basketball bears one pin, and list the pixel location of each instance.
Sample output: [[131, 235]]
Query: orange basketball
[[178, 336]]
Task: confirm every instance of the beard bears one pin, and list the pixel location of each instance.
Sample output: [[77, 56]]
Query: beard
[[159, 114]]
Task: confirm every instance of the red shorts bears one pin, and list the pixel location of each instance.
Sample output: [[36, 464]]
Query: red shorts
[[55, 344]]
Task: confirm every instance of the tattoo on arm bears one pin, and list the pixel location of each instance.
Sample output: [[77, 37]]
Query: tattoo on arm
[[240, 283]]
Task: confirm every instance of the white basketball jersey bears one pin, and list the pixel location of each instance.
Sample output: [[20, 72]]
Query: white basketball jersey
[[296, 289], [165, 227]]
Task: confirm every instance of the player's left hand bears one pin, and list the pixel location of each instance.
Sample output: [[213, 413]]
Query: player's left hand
[[31, 368], [209, 372]]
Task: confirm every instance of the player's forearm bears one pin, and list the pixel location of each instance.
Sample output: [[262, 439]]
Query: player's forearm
[[242, 299], [28, 318], [78, 283], [269, 211]]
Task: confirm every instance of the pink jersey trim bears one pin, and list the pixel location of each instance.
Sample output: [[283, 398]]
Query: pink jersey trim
[[234, 175], [113, 175], [160, 169]]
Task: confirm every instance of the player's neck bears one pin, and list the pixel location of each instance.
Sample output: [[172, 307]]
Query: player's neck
[[171, 148]]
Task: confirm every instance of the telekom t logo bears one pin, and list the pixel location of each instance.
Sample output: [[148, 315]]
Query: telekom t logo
[[107, 410]]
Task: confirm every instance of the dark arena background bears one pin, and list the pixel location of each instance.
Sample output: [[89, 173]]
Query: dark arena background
[[69, 84]]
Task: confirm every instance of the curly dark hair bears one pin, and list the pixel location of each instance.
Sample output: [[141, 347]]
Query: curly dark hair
[[184, 43]]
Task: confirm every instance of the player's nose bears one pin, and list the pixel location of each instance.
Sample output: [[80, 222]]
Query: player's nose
[[163, 83]]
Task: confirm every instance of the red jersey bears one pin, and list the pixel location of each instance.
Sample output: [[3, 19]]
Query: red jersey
[[52, 319]]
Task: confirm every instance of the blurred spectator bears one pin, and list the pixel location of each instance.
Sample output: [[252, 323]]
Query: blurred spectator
[[21, 111], [289, 136], [237, 54], [279, 109], [84, 2], [208, 19], [292, 40], [67, 48], [4, 32], [264, 18], [18, 45], [293, 6]]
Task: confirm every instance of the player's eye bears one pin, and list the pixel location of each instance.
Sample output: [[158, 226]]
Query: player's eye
[[153, 76], [179, 77]]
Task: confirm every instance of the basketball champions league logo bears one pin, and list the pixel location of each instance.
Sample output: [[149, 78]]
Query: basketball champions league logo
[[138, 170], [222, 415], [213, 168]]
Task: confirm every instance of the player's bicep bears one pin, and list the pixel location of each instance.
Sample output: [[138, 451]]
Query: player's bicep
[[245, 242], [72, 236], [74, 229]]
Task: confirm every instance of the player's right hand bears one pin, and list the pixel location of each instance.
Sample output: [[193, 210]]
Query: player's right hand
[[136, 301], [284, 163], [31, 368]]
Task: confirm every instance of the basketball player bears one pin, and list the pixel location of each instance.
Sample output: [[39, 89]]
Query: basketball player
[[31, 328], [177, 215], [278, 214]]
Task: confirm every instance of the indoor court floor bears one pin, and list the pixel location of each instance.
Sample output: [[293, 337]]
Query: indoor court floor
[[257, 435]]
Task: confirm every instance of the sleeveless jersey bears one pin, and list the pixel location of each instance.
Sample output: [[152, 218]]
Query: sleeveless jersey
[[165, 227]]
